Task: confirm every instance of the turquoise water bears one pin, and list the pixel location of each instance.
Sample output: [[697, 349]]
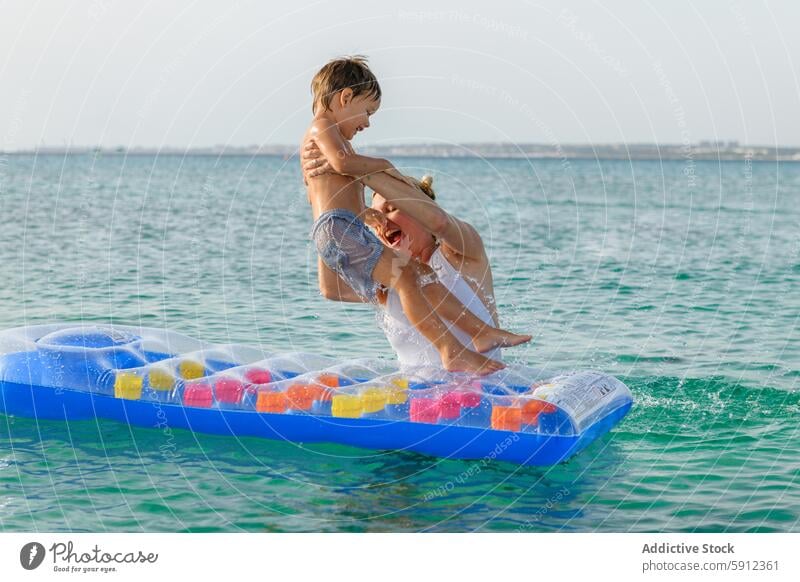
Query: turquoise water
[[681, 278]]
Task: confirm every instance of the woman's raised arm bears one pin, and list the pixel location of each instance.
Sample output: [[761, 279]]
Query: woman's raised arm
[[455, 233]]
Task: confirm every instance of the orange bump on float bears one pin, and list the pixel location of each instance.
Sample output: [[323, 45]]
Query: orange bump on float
[[128, 386], [325, 393], [532, 409], [329, 380], [271, 402], [328, 383], [506, 418], [302, 396]]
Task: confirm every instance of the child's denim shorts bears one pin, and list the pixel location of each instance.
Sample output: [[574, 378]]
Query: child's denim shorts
[[349, 249]]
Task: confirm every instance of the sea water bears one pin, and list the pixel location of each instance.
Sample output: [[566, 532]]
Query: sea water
[[682, 278]]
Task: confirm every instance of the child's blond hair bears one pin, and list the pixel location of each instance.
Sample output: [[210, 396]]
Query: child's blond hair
[[343, 73]]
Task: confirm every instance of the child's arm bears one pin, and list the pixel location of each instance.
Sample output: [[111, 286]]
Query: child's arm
[[340, 156]]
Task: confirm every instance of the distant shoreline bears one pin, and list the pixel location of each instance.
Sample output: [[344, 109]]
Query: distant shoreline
[[714, 151]]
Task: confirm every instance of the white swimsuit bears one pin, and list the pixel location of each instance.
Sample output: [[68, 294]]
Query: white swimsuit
[[411, 347]]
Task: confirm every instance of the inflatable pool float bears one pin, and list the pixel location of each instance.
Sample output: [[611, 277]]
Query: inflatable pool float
[[156, 378]]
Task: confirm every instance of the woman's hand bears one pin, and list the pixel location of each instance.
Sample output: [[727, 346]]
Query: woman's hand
[[313, 162]]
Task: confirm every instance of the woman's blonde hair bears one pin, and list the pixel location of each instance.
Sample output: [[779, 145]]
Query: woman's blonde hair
[[426, 185]]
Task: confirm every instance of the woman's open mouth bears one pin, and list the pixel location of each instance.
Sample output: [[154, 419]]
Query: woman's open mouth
[[393, 236]]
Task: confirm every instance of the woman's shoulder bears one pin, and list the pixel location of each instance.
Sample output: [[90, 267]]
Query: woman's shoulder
[[474, 252]]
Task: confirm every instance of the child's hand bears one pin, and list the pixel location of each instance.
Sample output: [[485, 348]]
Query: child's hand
[[314, 163], [375, 219]]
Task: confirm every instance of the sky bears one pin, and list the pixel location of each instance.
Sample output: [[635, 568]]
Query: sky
[[237, 73]]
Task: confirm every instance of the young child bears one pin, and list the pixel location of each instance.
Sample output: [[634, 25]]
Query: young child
[[346, 94]]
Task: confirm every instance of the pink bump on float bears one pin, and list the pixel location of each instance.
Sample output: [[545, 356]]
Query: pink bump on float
[[470, 399], [258, 376], [198, 394], [228, 390], [450, 405], [424, 410]]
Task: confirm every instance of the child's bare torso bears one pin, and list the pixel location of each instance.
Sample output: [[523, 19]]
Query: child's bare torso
[[331, 191]]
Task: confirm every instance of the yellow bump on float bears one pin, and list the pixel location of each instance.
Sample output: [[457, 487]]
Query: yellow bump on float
[[128, 386], [396, 395], [160, 380], [373, 399], [401, 383], [346, 406], [191, 370]]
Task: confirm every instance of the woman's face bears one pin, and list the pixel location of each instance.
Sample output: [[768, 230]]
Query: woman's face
[[402, 233]]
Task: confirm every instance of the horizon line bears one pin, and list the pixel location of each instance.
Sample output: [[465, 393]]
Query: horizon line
[[700, 150]]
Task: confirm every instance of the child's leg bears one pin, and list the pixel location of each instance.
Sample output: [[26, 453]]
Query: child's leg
[[484, 337], [390, 272]]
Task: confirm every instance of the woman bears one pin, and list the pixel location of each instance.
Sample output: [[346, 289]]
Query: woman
[[417, 227]]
